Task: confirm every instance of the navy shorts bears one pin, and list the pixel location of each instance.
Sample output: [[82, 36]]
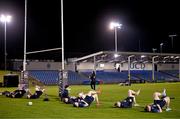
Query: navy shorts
[[161, 103]]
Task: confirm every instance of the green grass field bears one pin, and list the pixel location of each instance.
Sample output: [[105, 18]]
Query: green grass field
[[17, 108]]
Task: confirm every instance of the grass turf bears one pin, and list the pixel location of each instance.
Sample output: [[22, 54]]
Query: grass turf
[[18, 108]]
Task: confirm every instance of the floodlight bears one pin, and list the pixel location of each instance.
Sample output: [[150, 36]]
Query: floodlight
[[4, 18], [142, 56], [172, 57], [115, 25], [101, 65], [116, 55], [176, 57], [172, 35]]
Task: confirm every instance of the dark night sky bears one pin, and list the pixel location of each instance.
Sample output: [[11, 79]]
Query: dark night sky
[[86, 26]]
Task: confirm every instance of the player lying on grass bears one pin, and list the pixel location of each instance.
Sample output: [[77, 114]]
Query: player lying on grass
[[18, 93], [160, 101], [129, 101], [38, 92], [66, 98], [87, 99]]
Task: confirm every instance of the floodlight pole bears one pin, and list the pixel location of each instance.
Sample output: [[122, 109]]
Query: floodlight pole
[[153, 58], [139, 45], [154, 50], [172, 38], [115, 33], [5, 52], [25, 29], [161, 44], [62, 34], [5, 19], [115, 26]]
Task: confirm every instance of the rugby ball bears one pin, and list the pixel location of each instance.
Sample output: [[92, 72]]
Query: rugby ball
[[30, 103]]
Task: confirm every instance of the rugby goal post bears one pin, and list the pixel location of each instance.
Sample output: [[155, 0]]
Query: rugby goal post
[[62, 78]]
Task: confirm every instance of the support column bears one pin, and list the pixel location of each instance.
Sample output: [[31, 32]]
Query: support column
[[153, 58], [95, 63], [129, 64]]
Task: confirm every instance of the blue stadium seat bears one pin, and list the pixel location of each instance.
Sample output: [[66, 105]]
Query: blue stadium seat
[[44, 76], [51, 77]]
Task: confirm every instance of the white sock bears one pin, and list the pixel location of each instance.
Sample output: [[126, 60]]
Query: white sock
[[164, 92]]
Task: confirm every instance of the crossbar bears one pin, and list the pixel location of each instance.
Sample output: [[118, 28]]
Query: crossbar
[[47, 50]]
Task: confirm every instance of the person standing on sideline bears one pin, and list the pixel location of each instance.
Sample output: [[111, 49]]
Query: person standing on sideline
[[93, 80]]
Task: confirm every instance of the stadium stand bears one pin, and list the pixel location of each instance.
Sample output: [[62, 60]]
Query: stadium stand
[[51, 77], [167, 77], [76, 78], [45, 76], [109, 77], [147, 75], [48, 77], [174, 73]]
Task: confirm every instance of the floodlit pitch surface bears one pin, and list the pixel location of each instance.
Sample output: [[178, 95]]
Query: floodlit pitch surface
[[18, 108]]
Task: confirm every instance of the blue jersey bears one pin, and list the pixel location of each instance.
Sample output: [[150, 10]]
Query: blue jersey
[[36, 95], [154, 108], [19, 93], [161, 103], [127, 103], [89, 99], [65, 94]]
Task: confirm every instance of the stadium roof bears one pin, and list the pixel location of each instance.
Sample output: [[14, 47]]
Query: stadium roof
[[122, 57]]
